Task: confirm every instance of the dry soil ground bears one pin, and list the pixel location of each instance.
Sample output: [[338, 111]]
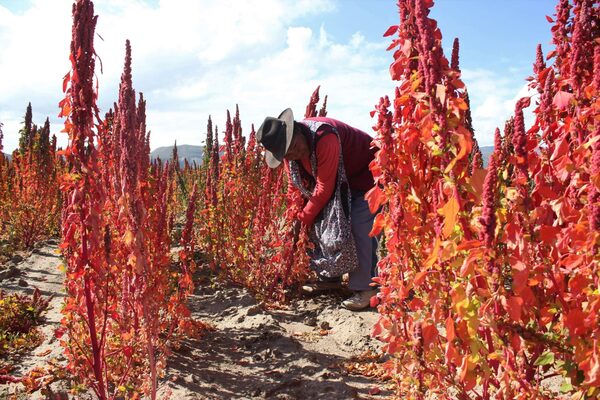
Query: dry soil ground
[[292, 353]]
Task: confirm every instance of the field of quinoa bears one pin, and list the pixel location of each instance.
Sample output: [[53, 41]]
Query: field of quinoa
[[126, 277]]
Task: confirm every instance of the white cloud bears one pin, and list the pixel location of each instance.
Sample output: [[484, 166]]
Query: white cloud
[[353, 76], [192, 59], [493, 98]]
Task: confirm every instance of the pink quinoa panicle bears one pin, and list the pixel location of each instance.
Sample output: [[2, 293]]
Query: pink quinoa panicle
[[323, 110], [209, 138], [187, 235], [128, 137], [238, 139], [427, 63], [397, 114], [596, 80], [252, 143], [476, 158], [547, 95], [594, 193], [581, 44], [519, 139], [498, 141], [311, 107], [143, 139], [540, 64], [561, 34], [228, 138], [468, 116], [215, 156], [83, 62], [488, 214], [454, 59]]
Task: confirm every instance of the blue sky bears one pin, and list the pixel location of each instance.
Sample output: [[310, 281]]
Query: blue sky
[[195, 58]]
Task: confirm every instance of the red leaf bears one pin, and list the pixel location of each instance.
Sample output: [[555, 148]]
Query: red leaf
[[469, 244], [391, 30], [434, 254], [514, 306], [451, 354], [44, 353], [377, 329], [66, 81], [416, 304], [419, 278], [561, 99], [524, 102], [591, 367], [58, 333], [376, 198], [450, 212], [450, 335], [465, 375], [548, 234], [374, 301], [440, 93], [430, 333], [561, 148], [397, 68], [128, 351], [578, 283], [477, 181], [378, 225], [575, 322], [468, 266], [393, 44], [573, 261]]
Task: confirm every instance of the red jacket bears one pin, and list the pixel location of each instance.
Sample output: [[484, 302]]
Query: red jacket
[[357, 154]]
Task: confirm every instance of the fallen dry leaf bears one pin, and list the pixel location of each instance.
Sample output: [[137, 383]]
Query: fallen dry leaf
[[44, 353]]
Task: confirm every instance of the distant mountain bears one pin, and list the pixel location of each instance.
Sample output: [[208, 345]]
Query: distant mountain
[[195, 153], [184, 151], [485, 154], [7, 156]]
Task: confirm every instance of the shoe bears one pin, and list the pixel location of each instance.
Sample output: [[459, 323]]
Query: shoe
[[318, 287], [360, 300]]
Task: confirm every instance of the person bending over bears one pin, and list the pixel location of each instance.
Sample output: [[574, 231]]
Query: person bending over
[[311, 149]]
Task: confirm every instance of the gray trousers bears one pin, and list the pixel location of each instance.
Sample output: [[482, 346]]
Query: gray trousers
[[366, 246]]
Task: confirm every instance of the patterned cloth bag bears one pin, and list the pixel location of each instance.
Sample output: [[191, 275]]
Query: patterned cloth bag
[[334, 252]]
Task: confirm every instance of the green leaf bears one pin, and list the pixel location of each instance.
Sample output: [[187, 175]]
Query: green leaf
[[566, 387], [545, 358]]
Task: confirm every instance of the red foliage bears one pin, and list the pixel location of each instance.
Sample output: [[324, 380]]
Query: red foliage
[[518, 305], [121, 293], [311, 108], [244, 212], [30, 199]]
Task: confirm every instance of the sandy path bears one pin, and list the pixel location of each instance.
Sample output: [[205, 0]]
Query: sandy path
[[39, 270], [281, 354], [252, 353]]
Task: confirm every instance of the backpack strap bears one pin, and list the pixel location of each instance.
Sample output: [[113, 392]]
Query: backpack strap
[[341, 181]]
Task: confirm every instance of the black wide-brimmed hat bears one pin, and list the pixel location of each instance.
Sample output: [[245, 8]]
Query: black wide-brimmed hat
[[275, 134]]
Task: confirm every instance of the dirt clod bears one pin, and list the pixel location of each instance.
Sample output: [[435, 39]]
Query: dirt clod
[[11, 272], [255, 309], [325, 326]]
